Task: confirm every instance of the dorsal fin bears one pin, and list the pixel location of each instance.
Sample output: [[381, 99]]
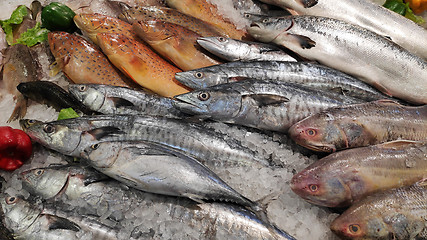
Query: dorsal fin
[[398, 144]]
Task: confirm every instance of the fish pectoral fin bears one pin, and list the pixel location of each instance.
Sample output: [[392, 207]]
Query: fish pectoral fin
[[304, 42], [20, 108], [193, 197], [94, 178], [308, 3], [388, 102], [56, 222], [398, 144], [382, 89], [99, 133], [147, 151], [121, 102], [268, 99]]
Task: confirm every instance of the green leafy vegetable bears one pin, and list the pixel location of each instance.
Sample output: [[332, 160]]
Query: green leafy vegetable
[[16, 18], [33, 36], [67, 113], [403, 9]]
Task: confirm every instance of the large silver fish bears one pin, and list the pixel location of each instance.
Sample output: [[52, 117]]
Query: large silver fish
[[359, 52], [268, 105], [307, 74]]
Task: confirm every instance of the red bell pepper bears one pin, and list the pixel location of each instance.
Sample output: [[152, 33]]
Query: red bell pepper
[[15, 148]]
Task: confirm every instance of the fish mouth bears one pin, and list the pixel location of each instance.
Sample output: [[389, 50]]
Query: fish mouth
[[181, 77], [185, 104], [329, 148], [206, 42]]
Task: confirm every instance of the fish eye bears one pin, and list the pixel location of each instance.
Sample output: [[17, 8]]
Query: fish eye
[[246, 15], [313, 187], [221, 39], [38, 172], [311, 132], [265, 20], [11, 200], [354, 228], [49, 128], [95, 146], [198, 74], [203, 96], [82, 88]]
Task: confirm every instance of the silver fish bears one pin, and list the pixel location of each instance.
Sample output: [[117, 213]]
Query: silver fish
[[237, 50], [308, 74], [359, 52], [268, 105]]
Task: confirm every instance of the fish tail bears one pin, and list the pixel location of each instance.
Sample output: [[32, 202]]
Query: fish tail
[[20, 108]]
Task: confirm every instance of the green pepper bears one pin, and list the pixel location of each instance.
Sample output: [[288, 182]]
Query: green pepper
[[58, 17]]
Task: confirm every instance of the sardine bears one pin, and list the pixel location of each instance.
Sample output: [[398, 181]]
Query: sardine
[[395, 214], [347, 176], [236, 50], [337, 44], [368, 15], [175, 43], [108, 99], [308, 74], [360, 125], [141, 64], [267, 105]]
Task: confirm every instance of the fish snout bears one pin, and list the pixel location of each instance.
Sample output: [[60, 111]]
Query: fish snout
[[296, 132]]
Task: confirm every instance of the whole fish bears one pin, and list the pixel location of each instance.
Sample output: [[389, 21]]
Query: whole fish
[[268, 105], [395, 214], [236, 50], [337, 44], [51, 94], [308, 74], [141, 64], [344, 177], [368, 15], [360, 125], [19, 66], [175, 43], [108, 99], [81, 61]]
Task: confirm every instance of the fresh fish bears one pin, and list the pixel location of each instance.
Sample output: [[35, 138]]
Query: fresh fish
[[347, 176], [19, 66], [236, 50], [175, 43], [380, 62], [368, 15], [81, 61], [213, 148], [395, 214], [267, 105], [140, 63], [51, 94], [308, 74], [360, 125], [121, 100]]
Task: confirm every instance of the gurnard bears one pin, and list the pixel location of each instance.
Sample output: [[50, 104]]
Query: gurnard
[[360, 125], [337, 44], [267, 105], [344, 177], [308, 74]]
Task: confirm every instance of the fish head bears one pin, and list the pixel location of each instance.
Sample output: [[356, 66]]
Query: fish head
[[269, 28], [217, 44], [90, 24], [18, 213], [102, 154], [211, 102], [45, 182], [201, 78], [90, 95]]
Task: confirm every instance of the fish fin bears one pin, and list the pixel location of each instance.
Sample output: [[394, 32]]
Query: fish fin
[[99, 133], [382, 89], [56, 222], [304, 42], [422, 182], [387, 102], [94, 178], [397, 144], [268, 99], [308, 3], [20, 108], [193, 197], [121, 102]]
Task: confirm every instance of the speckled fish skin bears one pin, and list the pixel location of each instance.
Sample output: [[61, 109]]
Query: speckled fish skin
[[307, 74], [368, 15], [267, 105], [236, 50], [344, 177], [175, 43], [360, 125], [81, 61], [380, 63], [141, 64], [212, 148], [395, 214], [208, 12], [122, 100], [201, 27]]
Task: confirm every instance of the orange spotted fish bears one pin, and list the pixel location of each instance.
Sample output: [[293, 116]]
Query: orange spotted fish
[[81, 61], [141, 64], [176, 43]]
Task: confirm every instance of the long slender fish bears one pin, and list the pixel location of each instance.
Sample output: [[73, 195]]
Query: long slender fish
[[337, 44], [347, 176], [395, 214], [308, 74], [368, 15], [268, 105], [360, 125], [108, 99], [237, 50]]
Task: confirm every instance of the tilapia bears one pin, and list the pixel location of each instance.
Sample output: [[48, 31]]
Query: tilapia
[[19, 66], [360, 125], [141, 64], [395, 214], [267, 105], [108, 99], [308, 74], [344, 177], [368, 15], [337, 44], [175, 43], [81, 61], [236, 50]]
